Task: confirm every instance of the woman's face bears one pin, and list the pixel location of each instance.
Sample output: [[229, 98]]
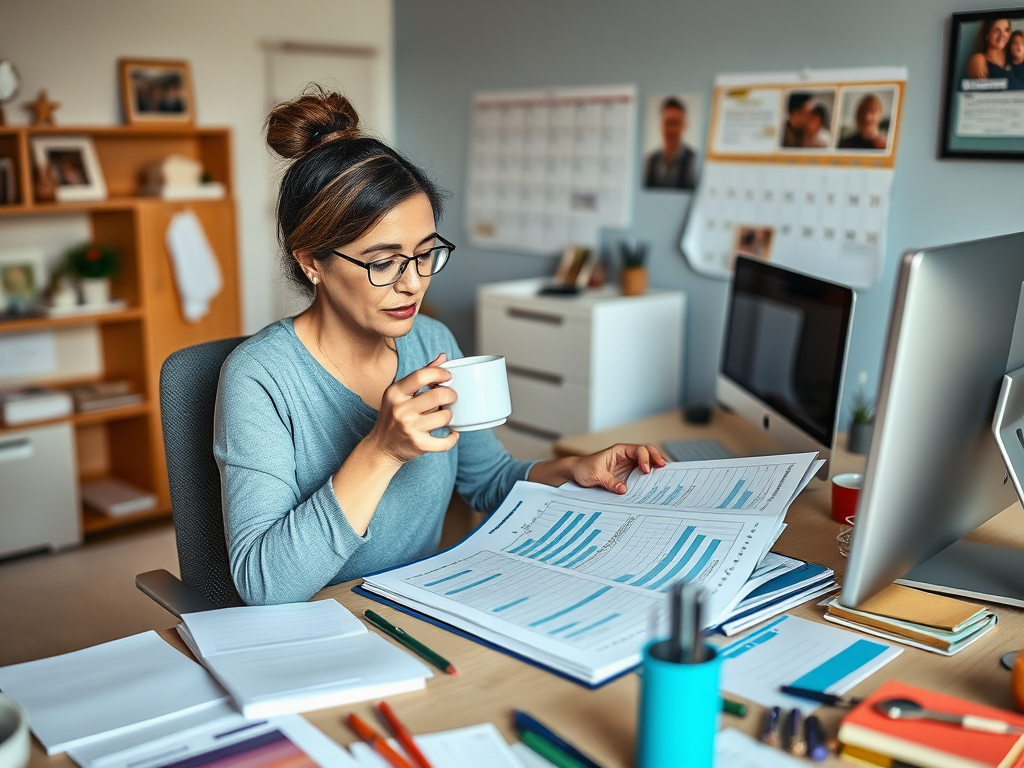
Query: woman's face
[[999, 35], [407, 229], [1017, 49], [870, 117]]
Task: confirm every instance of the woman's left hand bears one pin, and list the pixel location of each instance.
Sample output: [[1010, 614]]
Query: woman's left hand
[[609, 468]]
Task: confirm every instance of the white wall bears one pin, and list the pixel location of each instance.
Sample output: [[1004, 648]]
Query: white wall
[[71, 48]]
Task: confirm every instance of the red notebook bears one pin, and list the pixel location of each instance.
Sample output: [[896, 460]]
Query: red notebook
[[929, 743]]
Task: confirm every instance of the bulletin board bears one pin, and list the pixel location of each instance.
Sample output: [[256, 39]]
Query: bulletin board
[[799, 171], [549, 168]]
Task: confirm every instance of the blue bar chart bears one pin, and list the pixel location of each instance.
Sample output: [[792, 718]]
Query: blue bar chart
[[566, 607], [650, 552], [732, 487]]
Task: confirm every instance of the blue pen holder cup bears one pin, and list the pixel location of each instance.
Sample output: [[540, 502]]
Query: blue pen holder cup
[[680, 706]]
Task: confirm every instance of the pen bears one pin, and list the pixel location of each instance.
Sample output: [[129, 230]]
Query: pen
[[526, 724], [830, 699], [376, 741], [411, 643], [770, 732], [734, 708], [816, 747], [794, 733], [548, 751], [403, 735]]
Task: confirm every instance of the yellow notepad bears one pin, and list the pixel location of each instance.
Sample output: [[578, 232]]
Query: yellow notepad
[[918, 607]]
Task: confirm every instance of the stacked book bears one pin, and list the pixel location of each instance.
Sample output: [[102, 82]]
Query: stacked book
[[870, 738], [923, 620], [22, 406], [104, 395]]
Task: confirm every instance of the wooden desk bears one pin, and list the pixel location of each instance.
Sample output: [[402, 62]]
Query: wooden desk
[[603, 722]]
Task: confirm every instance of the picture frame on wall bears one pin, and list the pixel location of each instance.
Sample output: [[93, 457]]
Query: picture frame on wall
[[71, 162], [156, 92], [22, 279], [984, 88]]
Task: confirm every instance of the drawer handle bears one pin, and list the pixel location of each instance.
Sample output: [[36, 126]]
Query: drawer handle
[[13, 450], [537, 317], [548, 378], [526, 429]]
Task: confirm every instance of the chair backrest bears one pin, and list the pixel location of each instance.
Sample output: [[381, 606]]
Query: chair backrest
[[188, 393]]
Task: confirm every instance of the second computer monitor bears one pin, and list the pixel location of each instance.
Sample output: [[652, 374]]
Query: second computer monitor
[[784, 354]]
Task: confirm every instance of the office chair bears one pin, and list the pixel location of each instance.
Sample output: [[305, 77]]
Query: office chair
[[188, 392]]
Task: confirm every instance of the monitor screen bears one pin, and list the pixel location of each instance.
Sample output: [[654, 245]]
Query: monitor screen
[[785, 340]]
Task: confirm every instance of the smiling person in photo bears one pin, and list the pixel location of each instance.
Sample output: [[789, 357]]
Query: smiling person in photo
[[331, 431]]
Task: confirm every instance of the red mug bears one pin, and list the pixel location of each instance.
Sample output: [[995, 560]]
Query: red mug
[[845, 493]]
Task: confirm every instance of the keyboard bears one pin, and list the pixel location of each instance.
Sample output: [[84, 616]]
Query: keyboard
[[696, 450]]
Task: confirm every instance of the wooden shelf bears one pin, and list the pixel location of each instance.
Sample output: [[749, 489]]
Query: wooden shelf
[[44, 323], [112, 204], [79, 419], [96, 522]]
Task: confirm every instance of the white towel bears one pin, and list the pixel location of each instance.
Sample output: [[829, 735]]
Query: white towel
[[196, 269]]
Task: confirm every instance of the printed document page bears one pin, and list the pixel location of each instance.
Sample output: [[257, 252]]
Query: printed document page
[[576, 580], [472, 747]]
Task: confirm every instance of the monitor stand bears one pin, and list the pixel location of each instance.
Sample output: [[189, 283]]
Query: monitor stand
[[978, 571]]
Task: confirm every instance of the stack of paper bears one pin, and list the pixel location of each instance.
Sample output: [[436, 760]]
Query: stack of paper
[[108, 691], [923, 620], [572, 578], [282, 659]]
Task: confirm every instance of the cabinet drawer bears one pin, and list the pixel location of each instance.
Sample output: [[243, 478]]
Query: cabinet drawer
[[556, 405], [540, 340]]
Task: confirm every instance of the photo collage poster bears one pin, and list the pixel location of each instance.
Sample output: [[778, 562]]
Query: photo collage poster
[[798, 171], [549, 168]]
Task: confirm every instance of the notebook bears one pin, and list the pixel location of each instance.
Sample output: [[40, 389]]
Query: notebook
[[283, 659], [930, 743], [919, 607]]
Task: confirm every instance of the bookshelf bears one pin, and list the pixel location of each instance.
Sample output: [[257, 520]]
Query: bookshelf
[[127, 442]]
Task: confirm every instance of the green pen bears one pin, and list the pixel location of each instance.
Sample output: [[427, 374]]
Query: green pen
[[548, 751], [734, 708], [411, 643]]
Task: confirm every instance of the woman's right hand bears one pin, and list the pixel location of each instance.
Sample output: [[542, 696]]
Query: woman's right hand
[[407, 415]]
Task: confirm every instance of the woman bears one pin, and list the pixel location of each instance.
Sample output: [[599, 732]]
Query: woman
[[989, 58], [869, 119], [1015, 49], [331, 433]]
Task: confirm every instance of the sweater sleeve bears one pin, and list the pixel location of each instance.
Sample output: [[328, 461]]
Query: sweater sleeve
[[281, 547], [486, 471]]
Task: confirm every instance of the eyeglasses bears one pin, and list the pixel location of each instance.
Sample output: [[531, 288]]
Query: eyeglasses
[[389, 271]]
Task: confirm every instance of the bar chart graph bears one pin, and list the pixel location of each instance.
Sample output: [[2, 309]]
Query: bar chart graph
[[567, 607], [751, 487], [646, 551]]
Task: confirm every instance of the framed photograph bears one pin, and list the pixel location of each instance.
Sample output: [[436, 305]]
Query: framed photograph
[[22, 279], [156, 91], [575, 267], [671, 142], [984, 115], [73, 165]]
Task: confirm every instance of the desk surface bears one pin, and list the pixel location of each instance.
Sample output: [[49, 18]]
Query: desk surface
[[603, 722]]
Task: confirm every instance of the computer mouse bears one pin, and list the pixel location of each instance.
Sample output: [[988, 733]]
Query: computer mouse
[[697, 413]]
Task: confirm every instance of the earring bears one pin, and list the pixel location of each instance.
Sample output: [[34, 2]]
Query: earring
[[315, 279]]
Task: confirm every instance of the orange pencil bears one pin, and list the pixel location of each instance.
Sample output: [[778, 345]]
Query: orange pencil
[[403, 735], [376, 741]]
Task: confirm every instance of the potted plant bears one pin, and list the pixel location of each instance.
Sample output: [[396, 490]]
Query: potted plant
[[862, 420], [93, 264], [633, 276]]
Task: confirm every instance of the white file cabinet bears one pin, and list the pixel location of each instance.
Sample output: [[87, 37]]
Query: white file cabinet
[[38, 500], [583, 363]]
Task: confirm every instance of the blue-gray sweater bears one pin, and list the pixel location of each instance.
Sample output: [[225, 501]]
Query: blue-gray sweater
[[284, 426]]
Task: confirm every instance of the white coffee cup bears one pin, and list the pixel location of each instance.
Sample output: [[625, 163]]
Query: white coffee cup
[[482, 386], [14, 741]]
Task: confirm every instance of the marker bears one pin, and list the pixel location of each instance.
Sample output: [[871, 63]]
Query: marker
[[411, 643], [794, 734], [526, 724], [770, 732], [731, 707], [403, 735], [816, 747], [548, 751], [829, 699], [377, 742]]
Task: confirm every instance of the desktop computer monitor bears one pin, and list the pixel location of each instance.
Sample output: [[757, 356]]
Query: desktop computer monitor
[[934, 472], [784, 354]]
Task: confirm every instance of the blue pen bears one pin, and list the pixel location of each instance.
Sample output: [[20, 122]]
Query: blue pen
[[770, 733], [524, 722], [816, 747]]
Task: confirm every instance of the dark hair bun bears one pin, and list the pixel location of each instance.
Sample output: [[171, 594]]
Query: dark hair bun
[[318, 116]]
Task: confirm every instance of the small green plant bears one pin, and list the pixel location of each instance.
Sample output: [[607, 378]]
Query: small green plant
[[634, 255], [862, 405], [92, 261]]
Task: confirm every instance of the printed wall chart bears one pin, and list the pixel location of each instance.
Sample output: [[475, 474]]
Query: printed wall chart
[[799, 170], [548, 168]]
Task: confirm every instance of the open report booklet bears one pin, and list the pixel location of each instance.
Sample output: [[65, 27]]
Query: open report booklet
[[574, 578]]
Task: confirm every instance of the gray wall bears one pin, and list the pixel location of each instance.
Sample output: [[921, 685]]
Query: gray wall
[[448, 49]]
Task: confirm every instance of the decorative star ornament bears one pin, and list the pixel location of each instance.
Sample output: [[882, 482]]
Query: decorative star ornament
[[43, 109]]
